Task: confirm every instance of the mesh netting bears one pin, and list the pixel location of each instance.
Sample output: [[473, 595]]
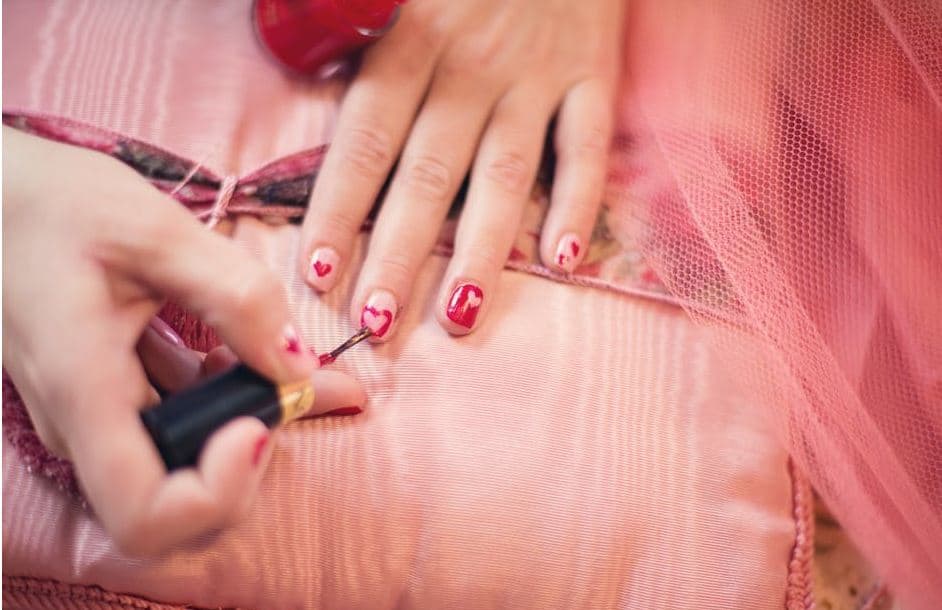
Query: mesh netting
[[794, 155]]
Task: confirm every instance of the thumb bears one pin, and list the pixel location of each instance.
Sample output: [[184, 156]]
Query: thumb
[[225, 286]]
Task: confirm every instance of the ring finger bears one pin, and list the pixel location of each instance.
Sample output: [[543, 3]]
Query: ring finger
[[501, 183]]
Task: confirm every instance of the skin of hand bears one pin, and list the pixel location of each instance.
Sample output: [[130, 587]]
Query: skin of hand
[[90, 252], [458, 87]]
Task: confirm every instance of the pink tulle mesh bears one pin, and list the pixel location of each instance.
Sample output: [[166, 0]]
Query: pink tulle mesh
[[794, 153]]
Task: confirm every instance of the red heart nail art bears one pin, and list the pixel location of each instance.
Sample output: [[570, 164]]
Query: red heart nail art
[[377, 320], [322, 269], [324, 261], [567, 252], [379, 312], [464, 304]]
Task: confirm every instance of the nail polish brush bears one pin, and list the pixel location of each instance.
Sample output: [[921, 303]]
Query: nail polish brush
[[181, 424]]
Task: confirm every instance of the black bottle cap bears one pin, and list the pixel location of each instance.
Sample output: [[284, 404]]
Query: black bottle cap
[[181, 424]]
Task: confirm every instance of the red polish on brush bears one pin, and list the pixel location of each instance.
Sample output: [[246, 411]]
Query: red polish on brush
[[307, 36], [362, 335]]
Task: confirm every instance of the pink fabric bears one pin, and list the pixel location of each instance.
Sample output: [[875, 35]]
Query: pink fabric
[[777, 164], [475, 479], [794, 190]]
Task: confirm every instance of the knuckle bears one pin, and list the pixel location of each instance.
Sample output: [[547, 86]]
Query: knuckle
[[339, 223], [133, 537], [511, 171], [590, 145], [479, 56], [430, 28], [368, 149], [393, 266], [428, 177], [255, 292], [489, 256]]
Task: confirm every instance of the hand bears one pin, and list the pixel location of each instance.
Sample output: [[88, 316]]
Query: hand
[[457, 86], [90, 250]]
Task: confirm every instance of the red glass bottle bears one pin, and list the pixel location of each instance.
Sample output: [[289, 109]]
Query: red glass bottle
[[308, 35]]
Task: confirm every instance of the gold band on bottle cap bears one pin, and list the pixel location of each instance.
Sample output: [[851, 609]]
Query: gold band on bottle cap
[[296, 400]]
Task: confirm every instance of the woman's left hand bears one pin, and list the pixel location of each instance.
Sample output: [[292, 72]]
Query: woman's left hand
[[457, 87]]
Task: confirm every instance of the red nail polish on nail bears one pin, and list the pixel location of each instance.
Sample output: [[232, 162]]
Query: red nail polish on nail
[[259, 449], [322, 269], [323, 263], [292, 343], [378, 312], [464, 305], [345, 411], [567, 252]]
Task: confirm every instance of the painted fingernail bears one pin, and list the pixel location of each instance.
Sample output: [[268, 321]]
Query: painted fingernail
[[379, 312], [464, 304], [323, 267], [567, 252], [291, 342], [345, 411], [168, 334], [259, 449]]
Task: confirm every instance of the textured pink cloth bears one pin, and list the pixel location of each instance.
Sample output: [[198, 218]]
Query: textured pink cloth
[[510, 469], [776, 168]]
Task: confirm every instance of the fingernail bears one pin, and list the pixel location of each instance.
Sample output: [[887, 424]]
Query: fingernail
[[464, 304], [379, 312], [345, 411], [259, 449], [323, 267], [567, 252], [291, 342], [163, 329]]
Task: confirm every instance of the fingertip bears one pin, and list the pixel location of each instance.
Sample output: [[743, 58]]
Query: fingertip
[[297, 359], [562, 253], [335, 390], [379, 312], [462, 307]]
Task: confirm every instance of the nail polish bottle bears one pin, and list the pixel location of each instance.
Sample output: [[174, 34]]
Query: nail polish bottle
[[183, 422], [310, 36]]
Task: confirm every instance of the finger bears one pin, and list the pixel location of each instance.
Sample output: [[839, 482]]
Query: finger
[[170, 365], [433, 165], [501, 183], [583, 133], [335, 391], [233, 463], [218, 281], [377, 112], [219, 360], [145, 509]]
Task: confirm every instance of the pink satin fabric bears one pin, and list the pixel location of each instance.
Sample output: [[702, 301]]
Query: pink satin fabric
[[582, 450]]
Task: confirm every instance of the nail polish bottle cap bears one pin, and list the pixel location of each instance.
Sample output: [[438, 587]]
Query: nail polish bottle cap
[[309, 36]]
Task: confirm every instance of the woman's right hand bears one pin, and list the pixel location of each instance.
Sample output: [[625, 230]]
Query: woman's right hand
[[90, 253]]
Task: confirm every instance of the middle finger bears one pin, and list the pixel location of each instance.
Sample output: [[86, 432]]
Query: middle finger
[[435, 161]]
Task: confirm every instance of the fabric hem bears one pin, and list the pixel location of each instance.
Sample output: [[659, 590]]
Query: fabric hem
[[39, 593], [799, 589]]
